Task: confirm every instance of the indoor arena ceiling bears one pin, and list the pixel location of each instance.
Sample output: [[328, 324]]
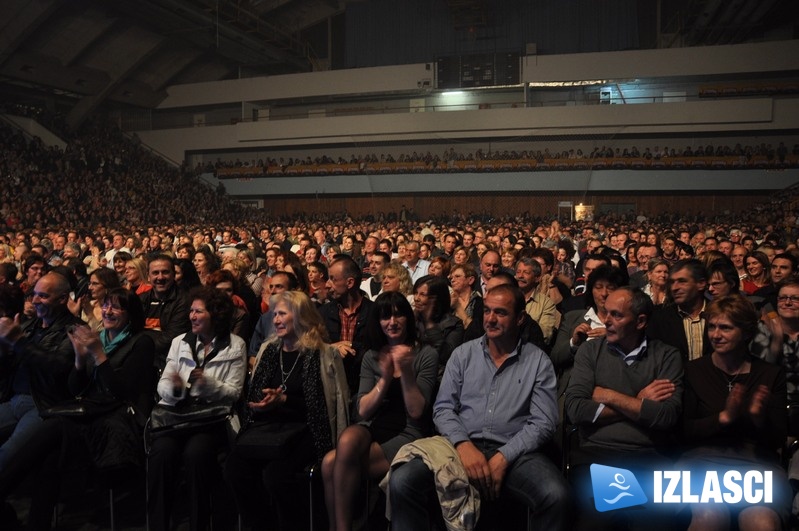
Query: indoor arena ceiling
[[129, 51]]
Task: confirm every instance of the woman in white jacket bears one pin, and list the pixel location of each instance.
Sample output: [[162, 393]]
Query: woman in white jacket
[[206, 365]]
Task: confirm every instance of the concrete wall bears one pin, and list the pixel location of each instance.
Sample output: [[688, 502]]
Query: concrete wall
[[700, 61], [583, 181], [694, 118]]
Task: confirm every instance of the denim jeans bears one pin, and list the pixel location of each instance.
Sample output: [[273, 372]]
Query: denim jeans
[[532, 480], [20, 411]]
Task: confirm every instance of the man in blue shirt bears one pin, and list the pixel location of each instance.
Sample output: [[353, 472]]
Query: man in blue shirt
[[497, 406]]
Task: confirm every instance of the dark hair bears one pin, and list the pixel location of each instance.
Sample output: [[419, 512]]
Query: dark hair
[[107, 277], [131, 303], [545, 254], [351, 269], [728, 273], [122, 255], [386, 258], [322, 268], [437, 287], [640, 302], [162, 258], [223, 275], [611, 275], [508, 278], [189, 278], [514, 291], [9, 270], [188, 247], [567, 246], [32, 259], [791, 258], [293, 283], [12, 300], [695, 267], [218, 304], [210, 257], [388, 304]]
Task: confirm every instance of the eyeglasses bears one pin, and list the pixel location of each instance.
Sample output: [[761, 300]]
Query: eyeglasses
[[794, 299], [110, 307]]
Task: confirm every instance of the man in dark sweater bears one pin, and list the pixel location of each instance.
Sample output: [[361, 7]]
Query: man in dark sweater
[[166, 310], [625, 395]]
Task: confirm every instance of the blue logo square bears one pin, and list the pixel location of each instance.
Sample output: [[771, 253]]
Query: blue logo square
[[615, 488]]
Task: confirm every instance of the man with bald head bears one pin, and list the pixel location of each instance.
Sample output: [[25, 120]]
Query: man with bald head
[[35, 357]]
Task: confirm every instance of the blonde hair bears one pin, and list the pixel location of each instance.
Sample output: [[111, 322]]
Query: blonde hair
[[396, 267], [141, 268], [308, 325]]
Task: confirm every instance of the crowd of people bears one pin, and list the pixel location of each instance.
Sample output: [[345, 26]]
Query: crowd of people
[[764, 155], [351, 348], [381, 347]]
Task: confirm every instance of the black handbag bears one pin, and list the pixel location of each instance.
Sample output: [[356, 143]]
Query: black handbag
[[269, 440], [187, 416]]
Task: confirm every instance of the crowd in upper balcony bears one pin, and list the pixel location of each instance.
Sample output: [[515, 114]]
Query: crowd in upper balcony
[[763, 154]]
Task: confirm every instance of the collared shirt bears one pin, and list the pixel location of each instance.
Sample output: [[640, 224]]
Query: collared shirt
[[419, 271], [348, 321], [513, 405], [543, 311], [593, 321], [199, 348], [694, 331]]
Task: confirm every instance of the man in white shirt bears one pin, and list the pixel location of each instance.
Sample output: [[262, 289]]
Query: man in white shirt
[[415, 265]]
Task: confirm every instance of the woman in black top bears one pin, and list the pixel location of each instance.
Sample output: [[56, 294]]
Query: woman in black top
[[297, 404]]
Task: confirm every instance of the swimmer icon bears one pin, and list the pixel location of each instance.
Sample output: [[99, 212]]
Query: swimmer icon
[[615, 488]]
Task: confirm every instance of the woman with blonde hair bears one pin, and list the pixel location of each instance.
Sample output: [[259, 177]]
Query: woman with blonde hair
[[136, 275], [395, 277], [6, 256], [297, 405]]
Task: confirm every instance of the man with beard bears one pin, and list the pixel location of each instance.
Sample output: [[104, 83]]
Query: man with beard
[[165, 309], [36, 358]]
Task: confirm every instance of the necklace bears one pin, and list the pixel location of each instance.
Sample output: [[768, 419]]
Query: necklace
[[284, 376], [731, 381]]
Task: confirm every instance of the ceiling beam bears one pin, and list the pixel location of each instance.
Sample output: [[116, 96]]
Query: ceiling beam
[[139, 45], [22, 19]]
